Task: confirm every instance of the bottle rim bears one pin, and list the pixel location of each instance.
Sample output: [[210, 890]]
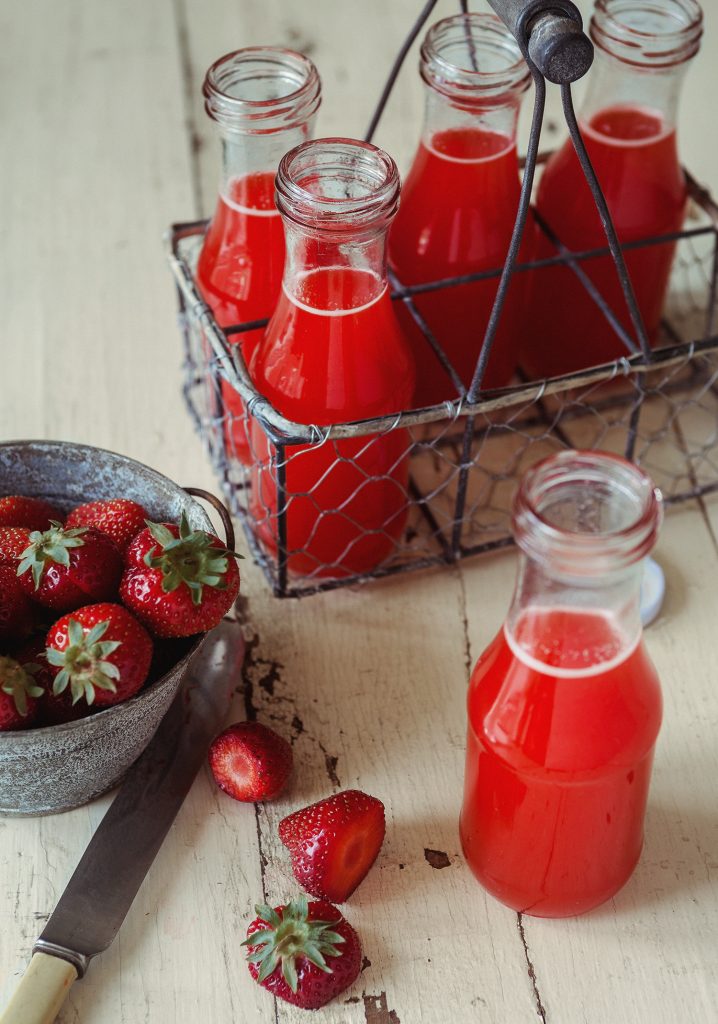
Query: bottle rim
[[488, 43], [289, 79], [617, 486], [338, 184], [648, 33]]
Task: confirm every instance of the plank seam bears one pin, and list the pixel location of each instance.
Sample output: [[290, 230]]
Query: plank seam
[[193, 136], [540, 1010]]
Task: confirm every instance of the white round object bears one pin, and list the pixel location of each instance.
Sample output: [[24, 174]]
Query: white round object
[[653, 589]]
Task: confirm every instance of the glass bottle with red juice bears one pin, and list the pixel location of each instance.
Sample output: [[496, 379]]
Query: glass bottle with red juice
[[263, 101], [628, 122], [565, 706], [459, 199], [334, 353]]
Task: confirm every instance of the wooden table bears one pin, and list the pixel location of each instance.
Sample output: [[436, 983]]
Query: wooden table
[[107, 143]]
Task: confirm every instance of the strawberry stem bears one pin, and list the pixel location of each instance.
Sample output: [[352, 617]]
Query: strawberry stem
[[191, 559], [17, 681], [83, 665], [53, 545]]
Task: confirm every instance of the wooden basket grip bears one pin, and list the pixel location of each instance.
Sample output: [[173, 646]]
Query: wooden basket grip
[[41, 992]]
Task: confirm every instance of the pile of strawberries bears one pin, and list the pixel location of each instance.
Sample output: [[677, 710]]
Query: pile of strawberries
[[305, 953], [89, 602]]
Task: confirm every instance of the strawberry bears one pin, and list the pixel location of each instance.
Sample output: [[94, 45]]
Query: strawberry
[[18, 694], [52, 708], [289, 948], [120, 518], [32, 513], [250, 762], [17, 612], [63, 569], [178, 581], [13, 541], [100, 652], [334, 842]]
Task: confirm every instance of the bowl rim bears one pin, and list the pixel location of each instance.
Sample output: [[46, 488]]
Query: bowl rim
[[24, 737]]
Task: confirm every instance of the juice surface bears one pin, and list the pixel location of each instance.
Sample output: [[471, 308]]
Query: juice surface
[[240, 274], [563, 719], [334, 352], [635, 158], [456, 216]]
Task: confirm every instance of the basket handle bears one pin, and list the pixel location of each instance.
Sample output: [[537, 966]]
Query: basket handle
[[221, 510]]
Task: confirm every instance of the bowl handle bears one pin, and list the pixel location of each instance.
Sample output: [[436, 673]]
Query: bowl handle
[[219, 507]]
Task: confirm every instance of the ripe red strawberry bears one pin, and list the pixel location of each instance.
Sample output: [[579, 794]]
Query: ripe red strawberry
[[18, 694], [120, 518], [178, 581], [250, 762], [334, 842], [17, 612], [13, 541], [51, 708], [32, 513], [100, 652], [63, 569], [289, 948]]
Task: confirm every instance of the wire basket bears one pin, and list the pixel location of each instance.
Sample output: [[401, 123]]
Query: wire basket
[[463, 458]]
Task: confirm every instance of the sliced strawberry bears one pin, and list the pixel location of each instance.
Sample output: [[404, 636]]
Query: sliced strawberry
[[334, 842], [178, 581], [250, 762], [100, 653], [32, 513], [304, 953], [18, 694], [63, 569], [120, 518]]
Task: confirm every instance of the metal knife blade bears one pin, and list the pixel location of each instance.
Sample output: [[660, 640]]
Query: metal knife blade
[[105, 882]]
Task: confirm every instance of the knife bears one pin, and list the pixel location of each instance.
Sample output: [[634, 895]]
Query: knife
[[100, 892]]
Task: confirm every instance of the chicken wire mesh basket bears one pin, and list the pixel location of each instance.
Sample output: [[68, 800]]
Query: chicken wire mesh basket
[[439, 481]]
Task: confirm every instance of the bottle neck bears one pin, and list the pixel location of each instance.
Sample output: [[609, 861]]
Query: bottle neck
[[474, 127], [615, 84], [256, 157], [334, 272]]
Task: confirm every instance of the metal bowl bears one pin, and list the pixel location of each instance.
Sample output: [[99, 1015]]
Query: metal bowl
[[46, 770]]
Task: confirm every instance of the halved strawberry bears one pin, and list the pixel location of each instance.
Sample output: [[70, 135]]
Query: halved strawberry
[[32, 513], [305, 953], [334, 842], [63, 569], [250, 762], [119, 518]]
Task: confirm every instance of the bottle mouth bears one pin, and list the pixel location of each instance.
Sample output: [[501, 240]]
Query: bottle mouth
[[338, 184], [648, 33], [262, 89], [586, 513], [474, 57]]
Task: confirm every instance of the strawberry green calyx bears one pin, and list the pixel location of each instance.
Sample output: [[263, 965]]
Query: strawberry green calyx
[[54, 545], [17, 681], [192, 559], [290, 935], [82, 664]]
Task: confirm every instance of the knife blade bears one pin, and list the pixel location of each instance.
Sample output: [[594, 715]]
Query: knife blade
[[101, 890]]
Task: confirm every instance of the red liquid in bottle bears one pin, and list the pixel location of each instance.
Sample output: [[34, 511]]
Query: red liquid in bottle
[[335, 353], [636, 161], [456, 217], [558, 762], [239, 275]]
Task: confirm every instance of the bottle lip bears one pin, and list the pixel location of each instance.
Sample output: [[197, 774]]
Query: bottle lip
[[261, 89], [338, 184], [621, 489], [653, 34], [472, 58]]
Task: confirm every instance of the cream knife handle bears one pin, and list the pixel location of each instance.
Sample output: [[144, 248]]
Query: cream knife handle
[[42, 990]]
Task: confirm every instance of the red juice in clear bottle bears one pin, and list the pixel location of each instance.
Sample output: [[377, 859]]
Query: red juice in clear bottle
[[334, 353], [460, 198], [264, 100], [628, 125], [564, 706]]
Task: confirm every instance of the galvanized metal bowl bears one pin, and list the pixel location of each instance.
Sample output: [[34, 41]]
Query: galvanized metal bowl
[[51, 769]]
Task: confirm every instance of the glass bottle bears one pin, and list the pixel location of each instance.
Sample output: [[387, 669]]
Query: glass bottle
[[264, 101], [460, 198], [565, 706], [628, 122], [334, 353]]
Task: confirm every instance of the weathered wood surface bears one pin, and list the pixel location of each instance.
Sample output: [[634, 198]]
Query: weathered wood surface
[[107, 144]]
